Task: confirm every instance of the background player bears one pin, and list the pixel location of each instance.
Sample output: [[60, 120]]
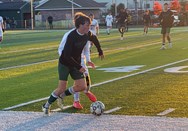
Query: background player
[[147, 21], [121, 20], [166, 19], [109, 21]]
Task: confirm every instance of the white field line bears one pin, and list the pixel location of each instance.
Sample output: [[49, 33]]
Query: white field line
[[59, 109], [137, 73], [166, 112], [105, 82], [30, 49], [12, 67], [23, 104], [112, 110]]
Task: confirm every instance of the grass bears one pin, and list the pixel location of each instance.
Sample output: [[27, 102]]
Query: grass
[[143, 94]]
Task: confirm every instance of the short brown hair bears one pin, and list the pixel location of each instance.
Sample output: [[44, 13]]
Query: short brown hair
[[82, 20]]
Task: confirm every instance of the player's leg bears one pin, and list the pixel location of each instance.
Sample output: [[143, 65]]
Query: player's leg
[[88, 93], [121, 30], [127, 27], [168, 38], [163, 32], [63, 76], [107, 28], [76, 103], [144, 30], [79, 85], [147, 28]]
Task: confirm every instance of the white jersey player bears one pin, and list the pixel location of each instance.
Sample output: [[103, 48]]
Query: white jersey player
[[109, 21], [1, 29], [94, 28]]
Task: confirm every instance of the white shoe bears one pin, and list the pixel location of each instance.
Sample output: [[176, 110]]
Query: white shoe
[[170, 45], [121, 38], [46, 110], [60, 102], [163, 47]]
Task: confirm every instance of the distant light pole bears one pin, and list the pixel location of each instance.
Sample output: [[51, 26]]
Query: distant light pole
[[32, 22], [115, 8], [136, 9], [72, 10]]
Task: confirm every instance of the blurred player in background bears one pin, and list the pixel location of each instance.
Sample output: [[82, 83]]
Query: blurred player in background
[[166, 19], [94, 28], [109, 21], [147, 21], [121, 20]]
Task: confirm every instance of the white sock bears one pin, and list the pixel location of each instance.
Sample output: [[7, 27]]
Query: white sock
[[76, 96], [71, 90]]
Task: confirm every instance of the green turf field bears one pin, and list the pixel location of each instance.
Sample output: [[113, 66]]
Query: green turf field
[[28, 71]]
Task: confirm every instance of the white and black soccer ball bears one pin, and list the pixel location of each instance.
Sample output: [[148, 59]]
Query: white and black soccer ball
[[97, 108]]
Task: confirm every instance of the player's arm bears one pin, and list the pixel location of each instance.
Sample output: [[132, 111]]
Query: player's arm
[[94, 39], [86, 53]]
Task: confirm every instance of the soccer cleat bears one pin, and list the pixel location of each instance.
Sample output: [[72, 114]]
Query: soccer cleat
[[60, 102], [121, 38], [163, 47], [91, 96], [46, 110], [170, 45], [77, 105]]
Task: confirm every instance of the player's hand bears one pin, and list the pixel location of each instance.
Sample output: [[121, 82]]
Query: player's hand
[[82, 70], [91, 64]]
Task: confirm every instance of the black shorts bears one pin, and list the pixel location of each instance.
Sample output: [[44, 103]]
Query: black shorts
[[165, 30], [120, 25], [146, 23], [64, 72]]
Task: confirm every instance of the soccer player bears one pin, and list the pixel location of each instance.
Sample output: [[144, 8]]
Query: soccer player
[[166, 19], [1, 29], [147, 21], [70, 61], [94, 28], [109, 21], [121, 21], [85, 58]]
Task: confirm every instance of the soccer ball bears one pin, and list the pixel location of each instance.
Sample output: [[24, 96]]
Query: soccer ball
[[97, 108]]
